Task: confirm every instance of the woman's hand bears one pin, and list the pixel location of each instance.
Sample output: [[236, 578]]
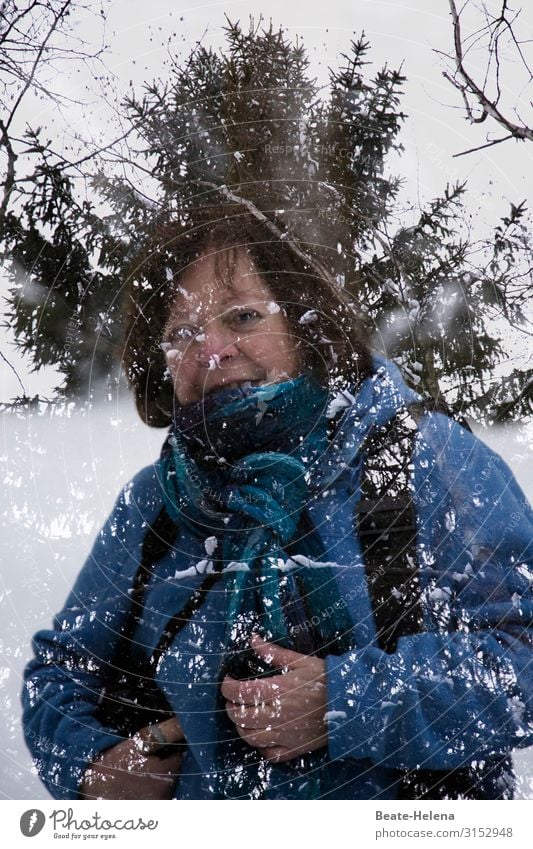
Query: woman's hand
[[282, 716], [133, 770]]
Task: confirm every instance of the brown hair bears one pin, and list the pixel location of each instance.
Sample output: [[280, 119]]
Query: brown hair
[[318, 311]]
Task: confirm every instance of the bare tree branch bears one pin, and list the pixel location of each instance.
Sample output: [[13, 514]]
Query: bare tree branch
[[15, 372], [475, 94], [59, 16], [9, 181], [483, 146], [30, 44]]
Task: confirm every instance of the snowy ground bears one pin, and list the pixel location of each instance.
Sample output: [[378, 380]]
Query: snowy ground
[[61, 476]]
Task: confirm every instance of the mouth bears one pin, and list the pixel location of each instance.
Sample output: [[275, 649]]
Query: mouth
[[236, 384]]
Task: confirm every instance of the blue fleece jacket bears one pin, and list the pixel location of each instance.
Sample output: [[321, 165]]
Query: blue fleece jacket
[[459, 692]]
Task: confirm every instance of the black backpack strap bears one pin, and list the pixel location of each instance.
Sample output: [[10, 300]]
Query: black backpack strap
[[130, 698], [386, 524], [159, 538], [178, 621]]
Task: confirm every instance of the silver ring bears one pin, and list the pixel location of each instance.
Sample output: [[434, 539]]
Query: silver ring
[[148, 741]]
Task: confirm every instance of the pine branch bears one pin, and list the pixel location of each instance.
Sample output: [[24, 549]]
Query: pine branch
[[283, 236]]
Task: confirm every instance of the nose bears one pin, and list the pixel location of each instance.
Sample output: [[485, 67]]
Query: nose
[[216, 344]]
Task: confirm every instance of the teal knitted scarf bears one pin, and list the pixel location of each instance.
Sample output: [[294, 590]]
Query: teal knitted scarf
[[235, 468]]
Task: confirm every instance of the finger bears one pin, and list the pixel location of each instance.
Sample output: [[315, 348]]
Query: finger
[[251, 717], [172, 730], [171, 756], [254, 692], [277, 754], [152, 738], [275, 655], [166, 765], [257, 739]]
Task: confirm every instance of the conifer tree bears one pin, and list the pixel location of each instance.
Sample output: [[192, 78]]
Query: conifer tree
[[248, 125]]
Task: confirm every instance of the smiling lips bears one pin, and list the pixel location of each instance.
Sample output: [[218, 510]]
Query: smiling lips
[[235, 384], [173, 357]]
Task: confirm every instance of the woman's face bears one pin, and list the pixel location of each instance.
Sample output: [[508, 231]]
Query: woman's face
[[225, 332]]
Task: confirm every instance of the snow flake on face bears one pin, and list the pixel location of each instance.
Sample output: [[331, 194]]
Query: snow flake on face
[[273, 307], [182, 291], [173, 356]]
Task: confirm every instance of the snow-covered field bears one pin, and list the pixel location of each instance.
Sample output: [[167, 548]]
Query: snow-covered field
[[61, 475]]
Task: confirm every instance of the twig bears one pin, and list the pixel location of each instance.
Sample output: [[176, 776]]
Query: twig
[[15, 372], [280, 234], [58, 17], [524, 392], [488, 144], [488, 106], [9, 181]]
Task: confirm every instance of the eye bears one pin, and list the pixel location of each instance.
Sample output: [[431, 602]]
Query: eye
[[181, 334], [243, 316]]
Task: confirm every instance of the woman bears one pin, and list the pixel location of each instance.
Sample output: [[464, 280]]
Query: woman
[[257, 620]]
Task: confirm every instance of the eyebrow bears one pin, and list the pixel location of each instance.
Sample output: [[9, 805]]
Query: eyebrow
[[180, 312]]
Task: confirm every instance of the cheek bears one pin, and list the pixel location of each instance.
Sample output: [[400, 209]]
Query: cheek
[[174, 361], [283, 342], [173, 358], [182, 369], [273, 349]]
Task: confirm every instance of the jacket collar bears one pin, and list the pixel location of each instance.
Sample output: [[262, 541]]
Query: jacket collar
[[374, 403]]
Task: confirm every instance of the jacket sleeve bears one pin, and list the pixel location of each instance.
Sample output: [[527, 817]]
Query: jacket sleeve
[[461, 690], [63, 681]]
